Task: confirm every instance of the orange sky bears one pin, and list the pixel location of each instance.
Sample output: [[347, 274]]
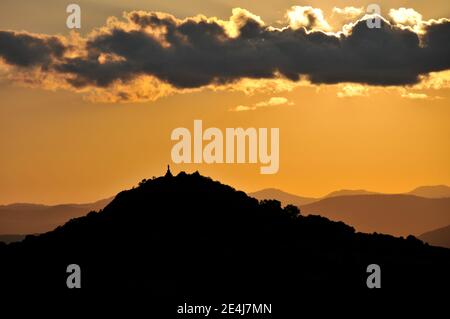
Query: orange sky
[[57, 147]]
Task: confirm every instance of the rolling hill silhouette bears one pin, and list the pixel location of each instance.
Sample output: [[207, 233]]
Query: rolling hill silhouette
[[17, 219], [437, 191], [191, 236], [283, 197], [399, 215], [437, 237], [395, 214], [287, 198]]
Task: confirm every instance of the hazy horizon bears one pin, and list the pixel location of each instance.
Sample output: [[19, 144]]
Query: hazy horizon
[[319, 196]]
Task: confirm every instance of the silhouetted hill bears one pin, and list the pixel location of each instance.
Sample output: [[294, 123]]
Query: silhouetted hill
[[34, 218], [437, 237], [283, 197], [190, 236], [438, 191], [398, 215]]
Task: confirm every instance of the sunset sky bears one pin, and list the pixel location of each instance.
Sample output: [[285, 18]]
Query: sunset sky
[[85, 115]]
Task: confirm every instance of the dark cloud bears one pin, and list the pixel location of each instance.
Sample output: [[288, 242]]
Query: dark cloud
[[196, 52], [26, 50]]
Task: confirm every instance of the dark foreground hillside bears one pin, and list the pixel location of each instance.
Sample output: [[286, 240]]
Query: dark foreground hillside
[[191, 236]]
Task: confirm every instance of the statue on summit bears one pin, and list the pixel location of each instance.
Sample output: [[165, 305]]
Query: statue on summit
[[168, 173]]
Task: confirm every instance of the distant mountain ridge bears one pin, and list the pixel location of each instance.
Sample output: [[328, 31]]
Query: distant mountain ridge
[[23, 218], [396, 214], [438, 237], [288, 198], [284, 197], [437, 191]]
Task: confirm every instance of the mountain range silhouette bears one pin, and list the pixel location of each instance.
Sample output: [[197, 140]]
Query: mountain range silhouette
[[189, 236], [422, 210]]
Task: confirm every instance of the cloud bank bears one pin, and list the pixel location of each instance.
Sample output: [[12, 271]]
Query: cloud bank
[[147, 55]]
